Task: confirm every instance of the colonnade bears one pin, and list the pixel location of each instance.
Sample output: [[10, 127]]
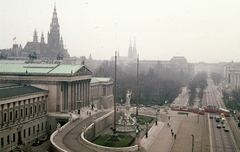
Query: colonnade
[[73, 92]]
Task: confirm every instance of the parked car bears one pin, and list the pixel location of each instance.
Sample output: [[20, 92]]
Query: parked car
[[37, 142], [44, 138], [211, 116], [219, 126]]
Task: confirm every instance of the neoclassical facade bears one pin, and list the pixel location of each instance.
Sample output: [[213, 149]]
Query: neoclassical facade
[[102, 92], [23, 114], [66, 84]]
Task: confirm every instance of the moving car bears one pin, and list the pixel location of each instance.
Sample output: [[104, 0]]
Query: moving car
[[37, 142], [226, 129], [224, 125], [44, 138], [219, 126]]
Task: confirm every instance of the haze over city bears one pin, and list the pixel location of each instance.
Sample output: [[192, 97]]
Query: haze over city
[[198, 30]]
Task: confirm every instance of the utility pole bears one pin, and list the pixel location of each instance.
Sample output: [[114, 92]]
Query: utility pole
[[198, 115], [137, 88], [115, 93], [192, 143]]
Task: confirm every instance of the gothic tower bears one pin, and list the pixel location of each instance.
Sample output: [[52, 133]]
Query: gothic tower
[[42, 38], [130, 50], [134, 51], [54, 35], [35, 37]]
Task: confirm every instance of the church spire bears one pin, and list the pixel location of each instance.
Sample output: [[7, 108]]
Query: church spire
[[54, 34], [130, 49], [54, 18], [134, 51], [35, 37], [42, 38], [61, 43]]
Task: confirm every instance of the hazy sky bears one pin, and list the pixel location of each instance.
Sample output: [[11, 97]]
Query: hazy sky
[[199, 30]]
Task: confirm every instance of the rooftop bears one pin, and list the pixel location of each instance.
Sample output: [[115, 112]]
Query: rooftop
[[42, 69], [10, 91]]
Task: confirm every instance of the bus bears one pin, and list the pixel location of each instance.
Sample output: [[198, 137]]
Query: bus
[[224, 111], [217, 118]]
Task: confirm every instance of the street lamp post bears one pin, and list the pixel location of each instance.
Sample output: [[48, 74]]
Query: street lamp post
[[92, 102], [192, 143], [37, 133], [156, 119], [146, 129], [79, 106]]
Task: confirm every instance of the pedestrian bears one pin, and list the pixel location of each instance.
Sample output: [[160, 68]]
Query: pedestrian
[[175, 136], [89, 113], [171, 130], [169, 117], [172, 133]]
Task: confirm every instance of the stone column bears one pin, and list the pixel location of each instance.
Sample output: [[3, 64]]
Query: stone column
[[1, 115], [75, 95], [69, 96], [87, 91], [59, 97], [81, 86]]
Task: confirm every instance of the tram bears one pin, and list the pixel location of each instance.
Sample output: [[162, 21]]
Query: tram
[[224, 111]]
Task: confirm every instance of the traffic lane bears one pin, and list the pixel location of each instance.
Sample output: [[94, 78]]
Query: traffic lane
[[70, 140]]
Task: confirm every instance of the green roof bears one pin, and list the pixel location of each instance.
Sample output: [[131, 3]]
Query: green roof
[[48, 69], [66, 69], [100, 79]]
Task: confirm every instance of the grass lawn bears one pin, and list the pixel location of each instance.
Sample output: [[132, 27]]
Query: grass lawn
[[182, 113], [143, 119], [125, 141]]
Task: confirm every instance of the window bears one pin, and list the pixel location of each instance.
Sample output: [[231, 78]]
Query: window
[[39, 107], [8, 139], [30, 110], [29, 131], [2, 142], [21, 113], [11, 116], [33, 129], [43, 107], [16, 114], [13, 137], [5, 117], [24, 133], [26, 111], [50, 127], [35, 109], [46, 124], [38, 127]]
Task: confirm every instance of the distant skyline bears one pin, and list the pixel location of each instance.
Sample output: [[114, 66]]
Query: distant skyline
[[199, 30]]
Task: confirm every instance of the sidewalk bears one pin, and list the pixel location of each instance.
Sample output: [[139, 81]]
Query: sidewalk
[[146, 143]]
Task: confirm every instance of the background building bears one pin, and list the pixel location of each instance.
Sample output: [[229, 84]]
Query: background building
[[52, 50]]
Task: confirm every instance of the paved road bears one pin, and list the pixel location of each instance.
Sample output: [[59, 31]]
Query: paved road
[[71, 133]]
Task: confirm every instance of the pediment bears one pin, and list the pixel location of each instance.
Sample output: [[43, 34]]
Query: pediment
[[83, 71]]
